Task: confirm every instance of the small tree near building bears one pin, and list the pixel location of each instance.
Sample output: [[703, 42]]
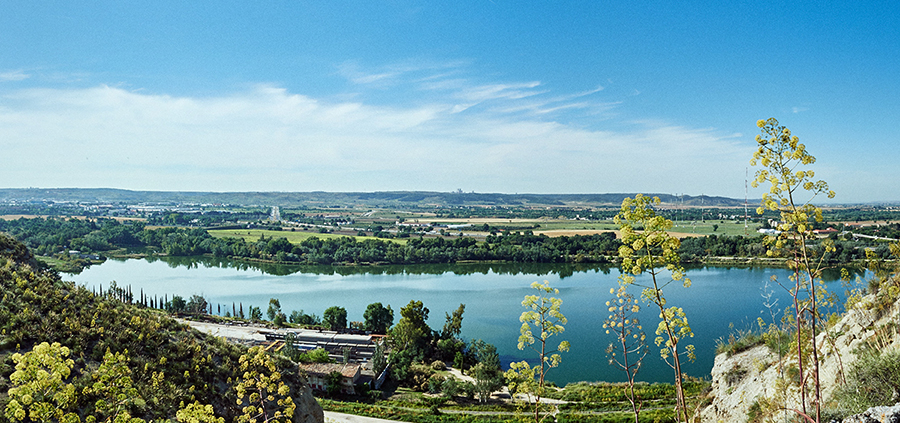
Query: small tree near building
[[335, 318]]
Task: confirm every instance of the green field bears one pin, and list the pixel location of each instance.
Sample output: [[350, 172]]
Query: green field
[[726, 227], [574, 225], [296, 237], [729, 227]]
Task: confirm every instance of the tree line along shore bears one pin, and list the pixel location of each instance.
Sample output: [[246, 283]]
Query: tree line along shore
[[70, 244]]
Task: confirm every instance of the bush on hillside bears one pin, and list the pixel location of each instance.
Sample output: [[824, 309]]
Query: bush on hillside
[[170, 363], [873, 380]]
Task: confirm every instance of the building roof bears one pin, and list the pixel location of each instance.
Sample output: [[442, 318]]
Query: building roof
[[349, 370]]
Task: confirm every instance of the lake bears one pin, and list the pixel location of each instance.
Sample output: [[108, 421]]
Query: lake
[[718, 298]]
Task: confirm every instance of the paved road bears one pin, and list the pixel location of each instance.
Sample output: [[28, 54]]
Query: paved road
[[249, 333], [332, 417]]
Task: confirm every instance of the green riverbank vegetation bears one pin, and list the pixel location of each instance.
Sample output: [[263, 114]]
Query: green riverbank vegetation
[[72, 244]]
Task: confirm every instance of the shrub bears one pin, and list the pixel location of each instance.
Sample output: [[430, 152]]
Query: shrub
[[451, 387], [754, 413], [874, 379], [734, 375], [418, 377], [435, 382], [739, 341], [778, 341]]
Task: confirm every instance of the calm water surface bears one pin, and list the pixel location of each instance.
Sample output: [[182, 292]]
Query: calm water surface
[[719, 297]]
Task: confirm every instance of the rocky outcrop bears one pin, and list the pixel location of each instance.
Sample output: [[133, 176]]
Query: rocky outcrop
[[757, 376], [308, 409], [876, 415]]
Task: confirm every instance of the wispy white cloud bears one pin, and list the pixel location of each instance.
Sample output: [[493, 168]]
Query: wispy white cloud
[[15, 75], [797, 109], [397, 73], [268, 138], [516, 91], [443, 82]]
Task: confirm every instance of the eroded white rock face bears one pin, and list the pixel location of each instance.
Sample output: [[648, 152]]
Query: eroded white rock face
[[745, 378], [738, 382]]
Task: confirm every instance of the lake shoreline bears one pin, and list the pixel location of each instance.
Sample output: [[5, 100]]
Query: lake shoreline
[[722, 294]]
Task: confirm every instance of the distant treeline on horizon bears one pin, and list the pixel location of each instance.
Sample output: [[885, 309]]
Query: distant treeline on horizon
[[320, 198]]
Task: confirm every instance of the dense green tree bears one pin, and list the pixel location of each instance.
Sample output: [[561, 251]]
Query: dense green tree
[[277, 245], [335, 318], [177, 305], [317, 355], [487, 380], [379, 361], [411, 332], [197, 305], [409, 339], [274, 308], [334, 382], [447, 349], [401, 365], [301, 318], [378, 319], [255, 314], [453, 325]]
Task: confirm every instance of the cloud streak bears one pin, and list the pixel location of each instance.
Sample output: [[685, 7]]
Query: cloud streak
[[16, 75], [267, 138]]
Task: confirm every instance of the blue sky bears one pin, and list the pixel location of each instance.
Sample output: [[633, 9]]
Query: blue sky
[[485, 96]]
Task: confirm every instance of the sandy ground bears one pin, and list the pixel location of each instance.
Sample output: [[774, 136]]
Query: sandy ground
[[249, 333], [17, 216]]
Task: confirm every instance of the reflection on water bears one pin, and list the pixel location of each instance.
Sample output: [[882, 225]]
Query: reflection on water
[[492, 292], [279, 269], [562, 270]]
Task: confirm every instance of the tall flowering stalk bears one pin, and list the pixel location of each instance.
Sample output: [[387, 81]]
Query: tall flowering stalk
[[544, 318], [784, 165], [629, 349], [647, 247]]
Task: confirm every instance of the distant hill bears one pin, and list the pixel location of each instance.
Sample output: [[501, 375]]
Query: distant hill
[[325, 199]]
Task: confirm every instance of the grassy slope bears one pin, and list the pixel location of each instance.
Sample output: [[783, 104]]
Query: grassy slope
[[170, 362]]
